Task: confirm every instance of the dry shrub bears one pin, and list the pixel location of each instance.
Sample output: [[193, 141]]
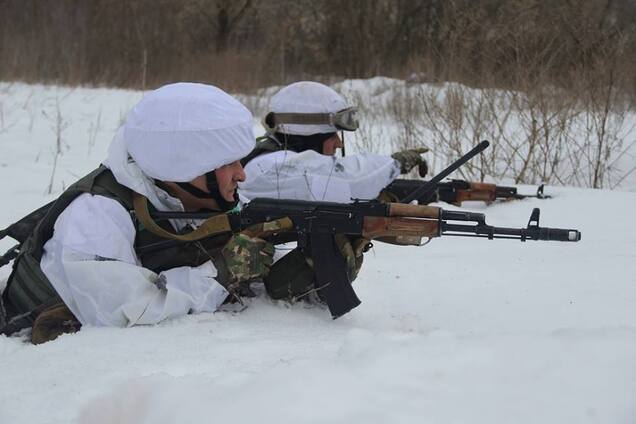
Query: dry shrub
[[542, 135], [556, 77], [249, 44]]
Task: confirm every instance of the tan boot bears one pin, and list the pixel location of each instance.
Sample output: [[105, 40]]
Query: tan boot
[[52, 322]]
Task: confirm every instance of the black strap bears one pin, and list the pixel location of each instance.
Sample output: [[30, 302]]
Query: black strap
[[10, 255], [264, 144], [3, 316], [23, 320]]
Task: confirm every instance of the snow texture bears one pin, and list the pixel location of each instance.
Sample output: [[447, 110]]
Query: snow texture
[[459, 331]]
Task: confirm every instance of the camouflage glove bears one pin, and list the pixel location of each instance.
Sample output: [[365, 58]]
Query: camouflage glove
[[353, 257], [242, 259], [409, 159]]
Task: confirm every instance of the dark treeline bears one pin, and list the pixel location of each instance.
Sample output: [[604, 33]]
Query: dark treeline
[[244, 44]]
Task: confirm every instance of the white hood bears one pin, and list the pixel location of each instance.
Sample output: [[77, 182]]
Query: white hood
[[129, 174], [176, 133], [307, 97]]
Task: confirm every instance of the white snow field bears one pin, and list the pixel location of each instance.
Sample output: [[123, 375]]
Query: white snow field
[[461, 330]]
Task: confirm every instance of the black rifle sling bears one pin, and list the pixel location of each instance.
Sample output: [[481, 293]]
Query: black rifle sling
[[20, 231], [331, 275]]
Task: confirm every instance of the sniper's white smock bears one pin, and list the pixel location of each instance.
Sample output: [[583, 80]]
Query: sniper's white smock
[[90, 259], [311, 176]]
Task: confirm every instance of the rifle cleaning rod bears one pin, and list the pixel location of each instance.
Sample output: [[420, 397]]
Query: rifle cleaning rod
[[430, 185]]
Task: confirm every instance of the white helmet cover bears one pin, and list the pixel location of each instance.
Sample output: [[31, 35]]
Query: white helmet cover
[[307, 97], [180, 131]]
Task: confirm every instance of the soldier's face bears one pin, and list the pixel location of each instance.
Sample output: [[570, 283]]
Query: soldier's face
[[228, 177], [330, 145]]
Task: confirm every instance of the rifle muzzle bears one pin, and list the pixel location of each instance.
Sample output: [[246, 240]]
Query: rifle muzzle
[[554, 234]]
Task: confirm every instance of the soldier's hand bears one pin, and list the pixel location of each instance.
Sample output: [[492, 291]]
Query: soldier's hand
[[242, 259], [410, 158], [353, 257]]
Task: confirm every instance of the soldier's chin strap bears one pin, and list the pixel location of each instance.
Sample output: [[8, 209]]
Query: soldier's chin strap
[[213, 226], [343, 143]]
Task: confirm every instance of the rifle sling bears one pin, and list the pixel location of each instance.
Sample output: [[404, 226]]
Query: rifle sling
[[213, 226]]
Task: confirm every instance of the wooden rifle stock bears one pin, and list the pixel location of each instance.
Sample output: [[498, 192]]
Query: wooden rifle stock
[[416, 211], [483, 192], [405, 225], [402, 231]]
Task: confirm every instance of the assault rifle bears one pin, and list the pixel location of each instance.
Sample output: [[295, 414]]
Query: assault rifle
[[314, 225], [457, 191]]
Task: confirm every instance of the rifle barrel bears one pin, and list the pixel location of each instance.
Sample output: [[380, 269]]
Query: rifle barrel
[[432, 183], [523, 234]]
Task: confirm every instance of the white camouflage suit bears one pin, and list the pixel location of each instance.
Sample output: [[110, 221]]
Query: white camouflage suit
[[310, 175], [176, 133]]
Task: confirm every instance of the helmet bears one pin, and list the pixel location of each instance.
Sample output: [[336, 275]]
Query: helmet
[[180, 131], [306, 108]]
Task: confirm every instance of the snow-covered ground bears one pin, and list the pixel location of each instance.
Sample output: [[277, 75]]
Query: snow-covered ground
[[459, 331]]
